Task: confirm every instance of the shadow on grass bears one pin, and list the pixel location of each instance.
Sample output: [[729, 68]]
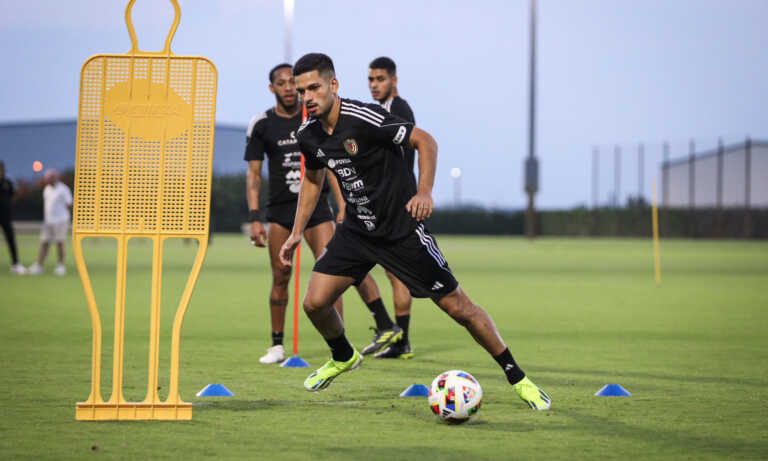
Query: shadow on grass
[[256, 405], [395, 451], [611, 270], [244, 405], [692, 444], [613, 375]]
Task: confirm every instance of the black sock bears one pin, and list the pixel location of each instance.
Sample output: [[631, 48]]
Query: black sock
[[380, 316], [277, 338], [341, 350], [402, 322], [514, 373]]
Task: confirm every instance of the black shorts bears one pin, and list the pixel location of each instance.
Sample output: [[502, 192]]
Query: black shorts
[[285, 213], [415, 260]]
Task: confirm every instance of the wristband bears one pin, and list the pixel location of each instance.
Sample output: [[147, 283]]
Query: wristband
[[255, 215]]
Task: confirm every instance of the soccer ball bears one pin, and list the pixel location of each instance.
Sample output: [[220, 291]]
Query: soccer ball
[[455, 396]]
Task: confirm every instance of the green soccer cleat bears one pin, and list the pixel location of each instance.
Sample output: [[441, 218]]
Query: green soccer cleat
[[324, 376], [530, 393], [399, 350], [383, 338]]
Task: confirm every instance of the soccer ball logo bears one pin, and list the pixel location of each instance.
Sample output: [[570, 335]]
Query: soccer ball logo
[[455, 396]]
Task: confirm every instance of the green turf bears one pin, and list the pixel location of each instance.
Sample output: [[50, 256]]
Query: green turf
[[576, 313]]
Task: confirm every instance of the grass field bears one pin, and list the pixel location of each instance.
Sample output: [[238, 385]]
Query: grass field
[[577, 314]]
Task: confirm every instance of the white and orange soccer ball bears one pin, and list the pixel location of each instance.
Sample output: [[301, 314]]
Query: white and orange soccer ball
[[455, 396]]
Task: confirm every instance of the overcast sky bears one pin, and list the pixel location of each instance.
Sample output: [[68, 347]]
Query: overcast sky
[[610, 72]]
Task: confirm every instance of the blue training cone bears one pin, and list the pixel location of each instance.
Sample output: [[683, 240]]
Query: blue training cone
[[295, 362], [415, 390], [612, 390], [215, 390]]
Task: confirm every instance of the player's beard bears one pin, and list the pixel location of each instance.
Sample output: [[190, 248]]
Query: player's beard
[[291, 108], [324, 114], [384, 97]]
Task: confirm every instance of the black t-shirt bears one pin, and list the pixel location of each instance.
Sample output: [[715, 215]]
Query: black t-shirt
[[365, 152], [399, 106], [275, 136], [6, 196]]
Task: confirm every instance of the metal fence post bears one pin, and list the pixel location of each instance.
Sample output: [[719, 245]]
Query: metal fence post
[[617, 176], [720, 152], [640, 171], [595, 175], [747, 187], [665, 175], [691, 187]]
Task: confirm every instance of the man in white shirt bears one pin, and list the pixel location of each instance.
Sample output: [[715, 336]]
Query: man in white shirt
[[57, 202]]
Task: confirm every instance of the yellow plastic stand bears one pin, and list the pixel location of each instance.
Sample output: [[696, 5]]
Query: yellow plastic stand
[[144, 156]]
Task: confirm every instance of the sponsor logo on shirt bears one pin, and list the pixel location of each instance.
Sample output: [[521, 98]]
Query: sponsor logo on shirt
[[400, 136], [363, 210], [293, 181], [350, 145], [320, 153], [292, 160], [354, 186], [345, 172], [289, 141], [363, 200], [334, 162]]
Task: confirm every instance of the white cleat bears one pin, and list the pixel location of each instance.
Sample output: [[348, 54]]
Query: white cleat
[[18, 269], [35, 269], [60, 270], [275, 354]]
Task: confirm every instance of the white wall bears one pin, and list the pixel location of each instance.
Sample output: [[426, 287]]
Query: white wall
[[734, 188]]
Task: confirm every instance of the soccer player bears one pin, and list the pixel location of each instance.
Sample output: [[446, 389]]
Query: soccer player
[[382, 81], [57, 203], [6, 220], [362, 144], [273, 133]]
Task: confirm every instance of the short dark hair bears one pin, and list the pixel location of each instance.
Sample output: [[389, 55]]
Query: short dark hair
[[384, 63], [283, 65], [314, 61]]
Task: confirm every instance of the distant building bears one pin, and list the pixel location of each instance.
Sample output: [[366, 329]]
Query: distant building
[[736, 177], [52, 143]]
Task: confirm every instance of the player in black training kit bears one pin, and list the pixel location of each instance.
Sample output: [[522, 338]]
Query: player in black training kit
[[363, 145], [382, 81], [6, 220], [273, 133]]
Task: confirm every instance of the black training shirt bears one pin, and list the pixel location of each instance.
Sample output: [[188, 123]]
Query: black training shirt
[[6, 196], [399, 107], [275, 136], [365, 152]]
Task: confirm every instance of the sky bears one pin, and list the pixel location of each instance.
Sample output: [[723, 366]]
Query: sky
[[610, 73]]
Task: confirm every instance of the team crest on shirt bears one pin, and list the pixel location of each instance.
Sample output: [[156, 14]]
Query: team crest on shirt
[[350, 145]]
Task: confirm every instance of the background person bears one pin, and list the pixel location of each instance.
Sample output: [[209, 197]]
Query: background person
[[57, 205], [7, 190], [382, 81], [272, 134]]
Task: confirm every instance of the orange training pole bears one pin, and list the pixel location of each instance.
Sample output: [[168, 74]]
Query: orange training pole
[[298, 265], [296, 289]]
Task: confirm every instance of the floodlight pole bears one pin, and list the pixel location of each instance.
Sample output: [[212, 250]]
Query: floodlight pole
[[456, 175], [288, 6], [531, 163]]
